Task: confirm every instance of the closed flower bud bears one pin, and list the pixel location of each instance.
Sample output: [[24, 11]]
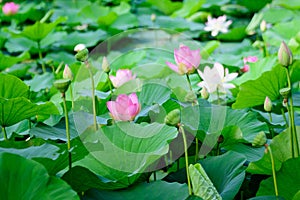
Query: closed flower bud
[[173, 118], [263, 26], [79, 47], [268, 104], [204, 93], [285, 92], [62, 85], [67, 74], [105, 65], [285, 55], [153, 17], [259, 140]]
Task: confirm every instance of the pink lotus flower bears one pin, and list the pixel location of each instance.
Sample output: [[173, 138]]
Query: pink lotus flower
[[249, 59], [187, 60], [216, 25], [125, 108], [122, 76], [10, 8]]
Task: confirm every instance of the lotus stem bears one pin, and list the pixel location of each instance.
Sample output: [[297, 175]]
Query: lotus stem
[[93, 95], [41, 56], [292, 117], [273, 171], [67, 130], [186, 158], [4, 133]]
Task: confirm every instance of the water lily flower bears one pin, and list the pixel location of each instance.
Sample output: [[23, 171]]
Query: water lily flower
[[249, 59], [10, 8], [187, 60], [216, 78], [125, 108], [216, 25], [122, 76]]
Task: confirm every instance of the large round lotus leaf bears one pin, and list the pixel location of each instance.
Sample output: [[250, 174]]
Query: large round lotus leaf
[[26, 179]]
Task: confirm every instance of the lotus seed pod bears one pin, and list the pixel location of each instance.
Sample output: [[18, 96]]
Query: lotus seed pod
[[173, 118], [190, 96], [285, 92], [82, 55], [259, 140], [62, 84], [204, 93], [285, 55]]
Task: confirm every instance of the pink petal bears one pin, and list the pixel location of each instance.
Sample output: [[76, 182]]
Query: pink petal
[[173, 67]]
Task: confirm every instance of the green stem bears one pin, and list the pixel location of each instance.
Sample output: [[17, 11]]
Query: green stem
[[292, 114], [4, 133], [67, 129], [41, 56], [273, 171], [186, 159], [197, 150], [93, 95], [271, 129], [189, 81], [110, 86], [72, 98], [291, 132], [284, 118]]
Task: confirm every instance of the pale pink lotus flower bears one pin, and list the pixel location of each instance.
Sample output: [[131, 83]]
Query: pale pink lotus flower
[[125, 108], [10, 8], [267, 104], [216, 78], [216, 25], [122, 76], [187, 60], [249, 59]]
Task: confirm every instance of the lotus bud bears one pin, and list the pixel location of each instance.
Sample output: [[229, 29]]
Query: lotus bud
[[62, 85], [79, 47], [263, 26], [153, 17], [285, 55], [268, 104], [173, 118], [285, 92], [105, 65], [259, 140], [204, 93], [67, 74]]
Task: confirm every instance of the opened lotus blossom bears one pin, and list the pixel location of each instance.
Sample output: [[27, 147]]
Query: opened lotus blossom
[[122, 76], [125, 108], [187, 60], [249, 59], [10, 8], [216, 78], [216, 25]]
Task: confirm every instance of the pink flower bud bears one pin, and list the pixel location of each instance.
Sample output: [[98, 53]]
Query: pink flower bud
[[10, 8], [122, 76], [125, 108], [268, 104], [67, 74], [187, 60]]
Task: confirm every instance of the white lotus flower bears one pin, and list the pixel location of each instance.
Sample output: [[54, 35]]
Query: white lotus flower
[[216, 25], [216, 78]]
